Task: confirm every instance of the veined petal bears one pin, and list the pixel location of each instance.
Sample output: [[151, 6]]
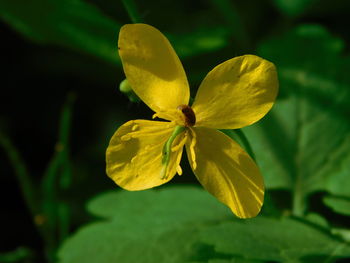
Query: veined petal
[[152, 67], [236, 93], [134, 154], [226, 171]]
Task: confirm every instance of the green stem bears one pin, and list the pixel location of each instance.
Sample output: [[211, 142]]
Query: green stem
[[56, 215], [21, 173], [132, 11], [64, 221], [299, 199], [26, 184], [58, 177]]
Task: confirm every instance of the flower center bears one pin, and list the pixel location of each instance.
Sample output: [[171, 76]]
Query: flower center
[[188, 113]]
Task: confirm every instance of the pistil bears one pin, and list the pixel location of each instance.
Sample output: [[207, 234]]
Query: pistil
[[167, 151]]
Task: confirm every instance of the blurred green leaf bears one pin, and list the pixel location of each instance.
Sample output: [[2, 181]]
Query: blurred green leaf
[[80, 26], [283, 240], [186, 224], [338, 204], [342, 233], [71, 24], [133, 13], [21, 254], [234, 260], [149, 226], [293, 7], [302, 145], [317, 219], [202, 40], [232, 17]]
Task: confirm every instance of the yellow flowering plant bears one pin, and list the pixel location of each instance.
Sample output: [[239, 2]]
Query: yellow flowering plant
[[143, 154]]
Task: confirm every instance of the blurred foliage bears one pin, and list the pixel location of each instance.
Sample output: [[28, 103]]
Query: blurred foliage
[[73, 24], [289, 240], [185, 224], [163, 227], [20, 254], [338, 204], [302, 145], [49, 212], [82, 27], [294, 7]]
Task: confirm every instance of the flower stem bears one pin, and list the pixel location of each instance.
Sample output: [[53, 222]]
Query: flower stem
[[299, 197], [298, 200], [57, 178]]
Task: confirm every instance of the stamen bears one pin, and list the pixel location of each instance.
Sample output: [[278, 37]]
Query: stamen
[[179, 170], [192, 145], [166, 115], [180, 144], [178, 167]]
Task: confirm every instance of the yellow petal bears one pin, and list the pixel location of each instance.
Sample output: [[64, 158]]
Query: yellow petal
[[134, 154], [236, 93], [226, 171], [152, 67]]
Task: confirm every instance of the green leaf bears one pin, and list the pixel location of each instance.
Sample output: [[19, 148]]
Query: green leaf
[[338, 204], [21, 254], [202, 40], [81, 26], [342, 233], [71, 24], [317, 219], [148, 226], [233, 260], [283, 240], [186, 224], [302, 144], [228, 10], [293, 7]]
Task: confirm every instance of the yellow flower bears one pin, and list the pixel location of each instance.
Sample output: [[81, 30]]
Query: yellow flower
[[143, 154]]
